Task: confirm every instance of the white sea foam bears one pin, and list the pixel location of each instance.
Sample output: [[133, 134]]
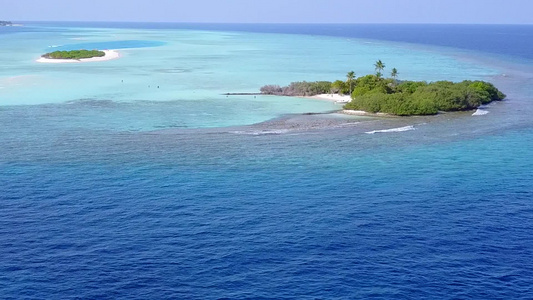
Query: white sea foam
[[399, 129], [262, 132], [480, 112]]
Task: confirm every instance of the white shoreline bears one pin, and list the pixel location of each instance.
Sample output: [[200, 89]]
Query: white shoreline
[[343, 99], [356, 112], [109, 55], [333, 98]]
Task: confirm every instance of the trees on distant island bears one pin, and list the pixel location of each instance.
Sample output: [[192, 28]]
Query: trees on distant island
[[300, 88], [6, 23], [74, 54], [373, 93]]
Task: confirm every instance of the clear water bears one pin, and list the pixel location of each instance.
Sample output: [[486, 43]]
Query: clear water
[[114, 189], [107, 45]]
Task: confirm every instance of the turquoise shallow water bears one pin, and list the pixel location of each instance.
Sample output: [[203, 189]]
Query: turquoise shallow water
[[198, 66], [107, 45], [117, 190]]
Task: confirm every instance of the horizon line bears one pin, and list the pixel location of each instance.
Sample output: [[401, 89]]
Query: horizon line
[[264, 23]]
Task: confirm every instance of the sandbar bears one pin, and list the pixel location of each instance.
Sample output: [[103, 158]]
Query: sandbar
[[109, 55]]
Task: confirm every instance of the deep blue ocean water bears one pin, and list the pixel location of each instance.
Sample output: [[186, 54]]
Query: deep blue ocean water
[[443, 211]]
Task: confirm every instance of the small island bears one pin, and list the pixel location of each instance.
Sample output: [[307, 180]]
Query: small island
[[6, 23], [376, 94], [75, 56]]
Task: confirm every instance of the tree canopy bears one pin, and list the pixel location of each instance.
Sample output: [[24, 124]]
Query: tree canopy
[[394, 73], [380, 66], [74, 54], [349, 79], [373, 94], [300, 88]]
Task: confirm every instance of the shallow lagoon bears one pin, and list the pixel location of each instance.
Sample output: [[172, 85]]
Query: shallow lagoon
[[193, 68]]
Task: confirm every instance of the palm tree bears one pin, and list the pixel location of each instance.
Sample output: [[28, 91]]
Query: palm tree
[[379, 67], [349, 78], [394, 73]]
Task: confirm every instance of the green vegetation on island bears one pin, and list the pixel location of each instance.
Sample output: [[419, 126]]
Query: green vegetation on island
[[297, 89], [375, 94], [74, 54]]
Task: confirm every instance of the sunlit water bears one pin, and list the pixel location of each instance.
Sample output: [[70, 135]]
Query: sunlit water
[[135, 178]]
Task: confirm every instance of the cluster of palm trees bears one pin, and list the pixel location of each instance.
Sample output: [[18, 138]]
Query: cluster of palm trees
[[380, 66]]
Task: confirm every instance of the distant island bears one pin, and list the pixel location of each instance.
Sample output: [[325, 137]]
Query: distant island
[[78, 56], [74, 54], [376, 94], [6, 23]]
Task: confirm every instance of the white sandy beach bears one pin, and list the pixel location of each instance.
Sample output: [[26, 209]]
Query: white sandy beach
[[109, 55], [333, 98], [356, 112], [340, 99], [345, 99]]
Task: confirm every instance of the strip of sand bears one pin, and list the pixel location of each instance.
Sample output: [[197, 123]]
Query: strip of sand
[[109, 55], [333, 98], [345, 99], [355, 112]]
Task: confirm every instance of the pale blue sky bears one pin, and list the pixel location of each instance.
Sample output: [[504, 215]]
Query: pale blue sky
[[273, 11]]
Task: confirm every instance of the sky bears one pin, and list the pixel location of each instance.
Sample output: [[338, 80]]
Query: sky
[[273, 11]]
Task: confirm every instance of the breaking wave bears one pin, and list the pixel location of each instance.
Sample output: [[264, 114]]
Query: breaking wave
[[399, 129]]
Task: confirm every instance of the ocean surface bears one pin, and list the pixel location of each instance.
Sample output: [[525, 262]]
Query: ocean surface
[[137, 179]]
